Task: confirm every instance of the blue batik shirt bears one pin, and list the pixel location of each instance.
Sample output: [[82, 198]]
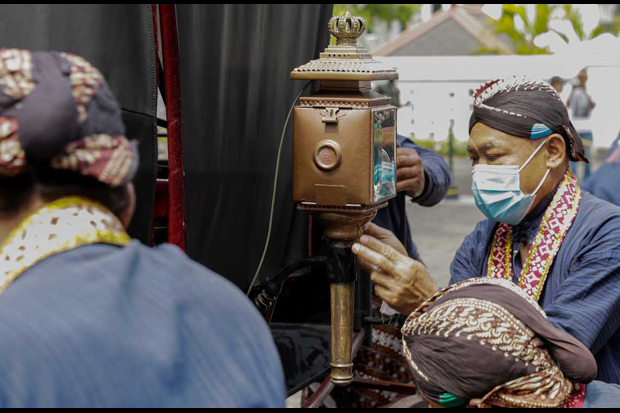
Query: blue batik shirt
[[104, 326], [582, 291]]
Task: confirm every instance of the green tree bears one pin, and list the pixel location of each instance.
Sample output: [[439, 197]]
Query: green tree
[[524, 38]]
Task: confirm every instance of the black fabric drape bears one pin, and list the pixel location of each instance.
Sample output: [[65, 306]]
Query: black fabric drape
[[236, 61], [119, 41]]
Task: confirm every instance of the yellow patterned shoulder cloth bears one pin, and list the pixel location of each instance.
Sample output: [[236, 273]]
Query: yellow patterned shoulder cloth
[[60, 226]]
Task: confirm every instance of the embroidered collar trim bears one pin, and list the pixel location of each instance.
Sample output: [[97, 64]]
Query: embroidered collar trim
[[57, 227], [553, 229]]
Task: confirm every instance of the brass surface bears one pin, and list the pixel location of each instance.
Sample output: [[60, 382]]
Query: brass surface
[[343, 229], [347, 86], [342, 302], [332, 115], [313, 208], [344, 98], [351, 182], [344, 226]]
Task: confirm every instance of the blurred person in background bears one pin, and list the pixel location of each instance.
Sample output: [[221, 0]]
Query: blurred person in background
[[559, 244], [605, 183], [557, 83], [88, 316], [581, 105], [390, 89]]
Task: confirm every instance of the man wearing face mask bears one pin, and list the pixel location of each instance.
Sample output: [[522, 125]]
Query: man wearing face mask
[[560, 244]]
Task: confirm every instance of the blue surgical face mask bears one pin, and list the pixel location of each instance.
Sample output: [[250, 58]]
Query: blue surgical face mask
[[497, 190]]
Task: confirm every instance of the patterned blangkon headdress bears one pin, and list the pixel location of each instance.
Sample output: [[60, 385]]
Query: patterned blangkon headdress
[[57, 110], [486, 339], [526, 108]]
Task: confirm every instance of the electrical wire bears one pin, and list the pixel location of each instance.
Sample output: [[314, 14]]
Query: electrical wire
[[275, 189]]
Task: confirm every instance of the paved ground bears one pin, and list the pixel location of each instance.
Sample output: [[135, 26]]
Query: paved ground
[[439, 231]]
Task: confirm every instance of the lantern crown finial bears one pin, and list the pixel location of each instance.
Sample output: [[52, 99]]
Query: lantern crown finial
[[345, 60], [346, 29]]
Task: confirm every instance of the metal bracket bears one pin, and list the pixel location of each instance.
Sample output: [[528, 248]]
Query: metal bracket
[[332, 115]]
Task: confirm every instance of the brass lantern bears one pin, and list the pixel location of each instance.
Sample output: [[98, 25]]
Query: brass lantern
[[344, 162]]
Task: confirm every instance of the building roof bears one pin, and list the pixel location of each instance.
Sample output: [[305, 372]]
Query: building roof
[[461, 30]]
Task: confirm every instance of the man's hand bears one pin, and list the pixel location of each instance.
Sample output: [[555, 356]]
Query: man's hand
[[385, 236], [409, 172], [401, 282]]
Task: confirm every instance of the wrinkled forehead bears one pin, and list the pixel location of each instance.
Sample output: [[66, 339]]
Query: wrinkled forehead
[[484, 138]]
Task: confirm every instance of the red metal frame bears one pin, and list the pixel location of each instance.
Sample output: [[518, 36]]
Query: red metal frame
[[172, 82]]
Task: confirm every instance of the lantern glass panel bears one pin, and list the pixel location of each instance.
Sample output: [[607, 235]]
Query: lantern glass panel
[[384, 159]]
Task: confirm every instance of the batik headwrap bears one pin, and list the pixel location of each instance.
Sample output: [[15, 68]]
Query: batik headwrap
[[525, 108], [486, 339], [57, 110]]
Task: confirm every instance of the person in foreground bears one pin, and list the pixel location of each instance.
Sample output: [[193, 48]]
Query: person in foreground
[[560, 245], [485, 343], [89, 317]]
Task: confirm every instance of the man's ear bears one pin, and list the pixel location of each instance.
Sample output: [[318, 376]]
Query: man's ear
[[556, 148], [127, 214]]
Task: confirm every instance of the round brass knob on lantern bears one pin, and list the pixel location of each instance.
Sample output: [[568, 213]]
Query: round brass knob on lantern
[[327, 155]]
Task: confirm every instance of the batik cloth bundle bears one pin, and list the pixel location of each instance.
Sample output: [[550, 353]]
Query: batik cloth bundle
[[57, 110], [486, 339]]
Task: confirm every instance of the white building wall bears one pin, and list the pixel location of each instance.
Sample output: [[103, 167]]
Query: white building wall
[[439, 89]]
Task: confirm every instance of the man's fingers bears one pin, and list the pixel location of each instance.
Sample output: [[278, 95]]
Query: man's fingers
[[407, 157], [381, 278], [378, 232], [403, 151], [380, 260], [365, 265], [414, 172], [380, 247], [383, 294], [385, 236], [409, 184], [403, 161]]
